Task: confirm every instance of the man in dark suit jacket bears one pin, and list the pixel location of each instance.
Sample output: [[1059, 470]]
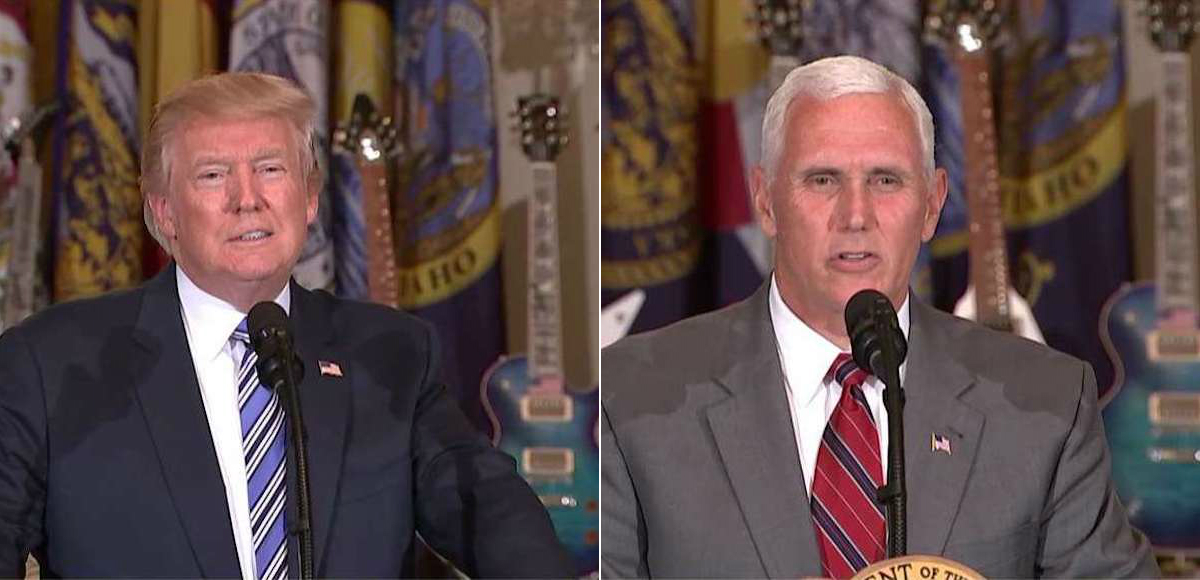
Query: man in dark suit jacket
[[112, 459], [712, 426]]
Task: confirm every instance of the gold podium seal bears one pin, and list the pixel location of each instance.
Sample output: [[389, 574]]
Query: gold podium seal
[[917, 567]]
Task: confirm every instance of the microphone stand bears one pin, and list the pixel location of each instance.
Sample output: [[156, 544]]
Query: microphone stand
[[894, 493], [298, 457]]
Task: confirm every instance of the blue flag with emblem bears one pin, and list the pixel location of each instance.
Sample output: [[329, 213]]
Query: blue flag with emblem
[[97, 205], [447, 214]]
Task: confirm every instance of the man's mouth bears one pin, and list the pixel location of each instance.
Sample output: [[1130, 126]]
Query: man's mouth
[[253, 236], [854, 256]]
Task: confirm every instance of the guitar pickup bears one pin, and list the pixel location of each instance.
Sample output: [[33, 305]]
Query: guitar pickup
[[1175, 409], [547, 408], [548, 462], [1173, 345]]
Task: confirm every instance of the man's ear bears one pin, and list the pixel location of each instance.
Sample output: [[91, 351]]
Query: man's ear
[[761, 195], [934, 201], [164, 216], [314, 203]]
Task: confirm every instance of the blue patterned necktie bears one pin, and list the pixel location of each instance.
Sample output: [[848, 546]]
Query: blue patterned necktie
[[263, 428]]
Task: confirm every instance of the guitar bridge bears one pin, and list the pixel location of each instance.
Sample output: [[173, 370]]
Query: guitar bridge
[[547, 408], [1177, 410], [1173, 345], [1173, 455], [548, 462], [553, 500]]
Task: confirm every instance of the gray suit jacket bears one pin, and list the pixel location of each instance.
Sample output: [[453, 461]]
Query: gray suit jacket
[[701, 478]]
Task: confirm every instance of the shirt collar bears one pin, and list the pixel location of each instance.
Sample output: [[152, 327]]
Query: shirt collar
[[209, 320], [806, 355]]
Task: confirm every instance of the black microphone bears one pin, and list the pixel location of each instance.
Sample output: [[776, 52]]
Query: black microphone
[[271, 337], [872, 326], [878, 344], [279, 369]]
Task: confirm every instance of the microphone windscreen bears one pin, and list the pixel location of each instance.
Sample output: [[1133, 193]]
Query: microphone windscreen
[[862, 312], [266, 316]]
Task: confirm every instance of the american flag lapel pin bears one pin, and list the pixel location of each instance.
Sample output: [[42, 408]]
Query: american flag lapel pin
[[939, 443], [329, 368]]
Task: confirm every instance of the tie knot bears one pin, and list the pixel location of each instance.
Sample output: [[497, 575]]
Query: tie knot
[[846, 372], [240, 334]]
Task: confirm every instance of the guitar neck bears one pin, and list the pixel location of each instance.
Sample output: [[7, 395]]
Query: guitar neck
[[26, 190], [1175, 201], [543, 297], [382, 280], [986, 242], [780, 66]]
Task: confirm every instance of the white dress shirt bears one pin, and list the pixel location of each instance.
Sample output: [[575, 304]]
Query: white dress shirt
[[806, 357], [209, 323]]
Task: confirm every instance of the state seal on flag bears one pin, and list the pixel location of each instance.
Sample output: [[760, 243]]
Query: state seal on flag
[[649, 227]]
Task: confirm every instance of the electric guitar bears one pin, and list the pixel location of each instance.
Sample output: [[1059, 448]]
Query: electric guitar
[[1152, 412], [552, 432], [372, 141], [20, 216], [967, 29], [780, 26]]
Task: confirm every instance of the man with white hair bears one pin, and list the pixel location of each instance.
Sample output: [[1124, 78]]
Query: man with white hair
[[745, 442], [136, 439]]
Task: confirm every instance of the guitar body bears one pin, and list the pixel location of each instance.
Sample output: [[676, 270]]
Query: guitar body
[[571, 496], [1021, 314], [1163, 497]]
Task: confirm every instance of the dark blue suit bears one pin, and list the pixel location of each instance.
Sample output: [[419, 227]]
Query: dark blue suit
[[107, 466]]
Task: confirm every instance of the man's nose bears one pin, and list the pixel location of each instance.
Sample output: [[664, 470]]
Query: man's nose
[[245, 192], [855, 208]]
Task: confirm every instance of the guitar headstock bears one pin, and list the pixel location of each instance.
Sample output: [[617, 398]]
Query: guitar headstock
[[367, 135], [780, 25], [1172, 24], [542, 134], [967, 25]]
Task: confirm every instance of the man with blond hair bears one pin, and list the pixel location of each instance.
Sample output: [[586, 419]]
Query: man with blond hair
[[746, 443], [137, 440]]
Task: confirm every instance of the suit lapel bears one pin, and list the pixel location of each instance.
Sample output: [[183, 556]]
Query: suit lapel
[[169, 396], [754, 435], [325, 402], [935, 479]]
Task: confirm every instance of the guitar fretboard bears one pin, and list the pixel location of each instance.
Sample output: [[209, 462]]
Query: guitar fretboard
[[1175, 190], [543, 297], [382, 279], [986, 242]]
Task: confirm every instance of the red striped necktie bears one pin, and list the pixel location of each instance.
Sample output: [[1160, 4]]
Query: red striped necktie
[[849, 520]]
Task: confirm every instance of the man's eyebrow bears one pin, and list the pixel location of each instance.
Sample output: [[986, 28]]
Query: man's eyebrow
[[211, 160], [889, 169], [269, 154], [217, 159], [819, 170]]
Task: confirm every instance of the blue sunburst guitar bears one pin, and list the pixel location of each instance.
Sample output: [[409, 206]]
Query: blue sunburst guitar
[[551, 431], [1152, 413]]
